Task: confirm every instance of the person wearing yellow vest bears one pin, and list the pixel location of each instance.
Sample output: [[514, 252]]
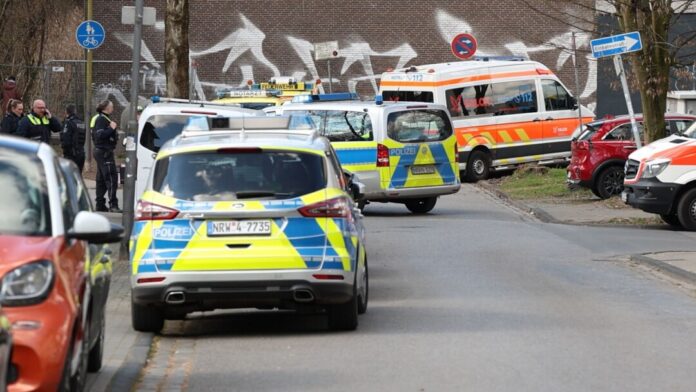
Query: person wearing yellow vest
[[105, 137], [38, 124]]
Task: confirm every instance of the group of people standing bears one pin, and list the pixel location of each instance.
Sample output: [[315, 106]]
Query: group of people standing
[[39, 123]]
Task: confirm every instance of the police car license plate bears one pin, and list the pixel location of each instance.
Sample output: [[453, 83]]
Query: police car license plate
[[423, 169], [239, 227]]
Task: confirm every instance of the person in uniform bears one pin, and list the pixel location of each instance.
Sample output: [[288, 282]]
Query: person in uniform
[[105, 138], [38, 124], [72, 138]]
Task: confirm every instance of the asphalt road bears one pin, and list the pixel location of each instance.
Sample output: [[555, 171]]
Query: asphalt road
[[475, 296]]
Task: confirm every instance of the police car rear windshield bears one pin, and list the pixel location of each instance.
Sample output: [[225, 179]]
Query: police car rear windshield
[[230, 175], [24, 207], [409, 96], [341, 125], [419, 126]]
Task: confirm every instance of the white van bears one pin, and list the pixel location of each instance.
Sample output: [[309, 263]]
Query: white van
[[505, 112], [165, 119]]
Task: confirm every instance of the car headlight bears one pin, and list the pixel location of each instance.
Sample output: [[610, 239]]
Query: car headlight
[[655, 167], [28, 284]]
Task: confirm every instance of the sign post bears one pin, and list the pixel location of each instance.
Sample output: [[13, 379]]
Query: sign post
[[90, 35], [464, 46], [326, 51], [616, 45]]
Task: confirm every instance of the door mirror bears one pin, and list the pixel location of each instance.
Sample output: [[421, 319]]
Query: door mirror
[[95, 228], [573, 102], [355, 187]]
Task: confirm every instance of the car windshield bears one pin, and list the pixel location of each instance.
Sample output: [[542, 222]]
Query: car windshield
[[340, 125], [24, 207], [412, 126], [236, 174]]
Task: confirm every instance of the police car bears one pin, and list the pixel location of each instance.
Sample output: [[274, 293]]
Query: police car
[[248, 219], [404, 152]]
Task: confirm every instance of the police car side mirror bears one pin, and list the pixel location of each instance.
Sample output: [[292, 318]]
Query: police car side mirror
[[357, 190]]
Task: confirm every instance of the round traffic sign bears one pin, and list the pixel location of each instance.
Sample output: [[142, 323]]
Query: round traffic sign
[[90, 34], [464, 46]]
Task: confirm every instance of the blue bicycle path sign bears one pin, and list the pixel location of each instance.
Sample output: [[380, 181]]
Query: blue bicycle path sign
[[90, 34]]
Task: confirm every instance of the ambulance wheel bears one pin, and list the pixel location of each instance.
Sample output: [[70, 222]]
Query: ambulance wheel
[[421, 206], [478, 167], [609, 182], [146, 318], [671, 219], [344, 317], [686, 210]]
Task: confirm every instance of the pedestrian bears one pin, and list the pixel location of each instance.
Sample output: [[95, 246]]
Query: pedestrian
[[9, 91], [105, 138], [72, 138], [15, 112], [38, 124]]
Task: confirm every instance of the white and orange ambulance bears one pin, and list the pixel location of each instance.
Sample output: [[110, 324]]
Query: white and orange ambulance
[[505, 112], [660, 178]]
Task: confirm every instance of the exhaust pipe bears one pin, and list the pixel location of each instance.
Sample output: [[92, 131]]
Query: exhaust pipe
[[303, 295], [175, 298]]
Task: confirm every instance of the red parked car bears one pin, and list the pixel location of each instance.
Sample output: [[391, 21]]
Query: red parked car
[[600, 151]]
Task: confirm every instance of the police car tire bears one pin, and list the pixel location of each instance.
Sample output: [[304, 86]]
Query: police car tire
[[146, 318], [362, 300], [686, 210], [344, 317], [480, 159], [421, 206], [96, 353]]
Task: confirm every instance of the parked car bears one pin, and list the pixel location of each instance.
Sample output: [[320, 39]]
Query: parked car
[[54, 273], [6, 373], [600, 151]]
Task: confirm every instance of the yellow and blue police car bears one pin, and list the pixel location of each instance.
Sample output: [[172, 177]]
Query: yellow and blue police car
[[404, 152], [248, 219]]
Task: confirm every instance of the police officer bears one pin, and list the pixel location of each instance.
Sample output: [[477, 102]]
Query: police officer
[[38, 124], [72, 138], [105, 137]]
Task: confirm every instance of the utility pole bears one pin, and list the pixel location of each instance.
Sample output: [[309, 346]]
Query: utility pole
[[577, 84], [88, 92], [131, 145]]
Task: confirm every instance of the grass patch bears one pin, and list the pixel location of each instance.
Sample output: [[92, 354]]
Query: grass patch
[[533, 183]]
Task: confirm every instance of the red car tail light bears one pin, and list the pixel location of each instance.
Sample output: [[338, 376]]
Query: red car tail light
[[382, 155], [146, 211], [332, 208]]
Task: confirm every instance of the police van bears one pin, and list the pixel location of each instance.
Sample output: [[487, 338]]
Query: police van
[[505, 112], [403, 152], [263, 95]]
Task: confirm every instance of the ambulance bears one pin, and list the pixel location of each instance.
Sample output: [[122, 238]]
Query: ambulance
[[660, 178], [259, 96], [505, 112]]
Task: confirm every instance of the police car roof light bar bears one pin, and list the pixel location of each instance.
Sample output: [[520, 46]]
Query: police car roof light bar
[[307, 98]]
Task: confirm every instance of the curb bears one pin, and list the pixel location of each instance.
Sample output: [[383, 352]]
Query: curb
[[667, 269], [545, 217], [129, 373]]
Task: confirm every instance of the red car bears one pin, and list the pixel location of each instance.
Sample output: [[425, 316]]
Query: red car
[[54, 274], [600, 151]]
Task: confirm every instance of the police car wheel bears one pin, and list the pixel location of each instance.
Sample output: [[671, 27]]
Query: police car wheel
[[478, 167], [344, 317], [421, 206], [364, 291], [96, 354], [686, 210], [146, 318]]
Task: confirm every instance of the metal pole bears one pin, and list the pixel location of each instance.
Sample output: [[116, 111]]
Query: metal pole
[[328, 66], [131, 145], [577, 83], [88, 94], [618, 65]]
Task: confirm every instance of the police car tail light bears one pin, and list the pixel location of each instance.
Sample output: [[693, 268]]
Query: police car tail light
[[146, 211], [332, 208], [382, 155]]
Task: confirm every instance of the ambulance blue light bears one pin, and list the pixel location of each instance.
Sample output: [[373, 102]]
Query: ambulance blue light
[[379, 100], [325, 97], [155, 98]]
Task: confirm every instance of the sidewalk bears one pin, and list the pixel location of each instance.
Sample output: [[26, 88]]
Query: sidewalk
[[125, 351], [611, 213]]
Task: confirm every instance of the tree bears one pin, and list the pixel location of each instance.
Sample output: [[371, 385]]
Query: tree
[[664, 48], [176, 48]]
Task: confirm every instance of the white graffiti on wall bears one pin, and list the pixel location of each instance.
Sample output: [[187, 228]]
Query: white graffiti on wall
[[248, 38]]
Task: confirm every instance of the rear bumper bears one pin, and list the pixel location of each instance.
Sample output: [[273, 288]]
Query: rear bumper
[[651, 195], [413, 193], [197, 291]]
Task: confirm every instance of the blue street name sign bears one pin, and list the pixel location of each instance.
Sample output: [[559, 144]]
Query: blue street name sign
[[90, 34], [616, 44]]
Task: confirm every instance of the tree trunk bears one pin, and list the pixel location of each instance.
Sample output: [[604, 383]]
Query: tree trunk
[[176, 48], [651, 66]]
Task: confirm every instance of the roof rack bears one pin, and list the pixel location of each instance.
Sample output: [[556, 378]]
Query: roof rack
[[310, 134]]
